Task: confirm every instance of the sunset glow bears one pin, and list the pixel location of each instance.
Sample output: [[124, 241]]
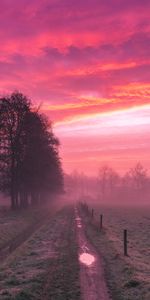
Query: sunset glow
[[86, 63]]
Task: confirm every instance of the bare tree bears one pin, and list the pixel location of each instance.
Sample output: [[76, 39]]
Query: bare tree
[[103, 177], [139, 176], [113, 179], [107, 181]]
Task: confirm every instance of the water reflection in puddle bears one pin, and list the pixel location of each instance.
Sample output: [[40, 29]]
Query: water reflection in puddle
[[87, 259], [79, 225], [78, 220]]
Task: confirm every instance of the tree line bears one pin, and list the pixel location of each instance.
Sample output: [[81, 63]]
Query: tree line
[[134, 183], [109, 185], [30, 166]]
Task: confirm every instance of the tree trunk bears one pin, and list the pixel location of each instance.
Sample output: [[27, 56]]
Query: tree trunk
[[12, 188], [23, 200], [17, 199], [33, 199], [13, 206], [12, 192]]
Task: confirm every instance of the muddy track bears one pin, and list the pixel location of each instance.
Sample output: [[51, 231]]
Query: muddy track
[[92, 279], [62, 278], [22, 237]]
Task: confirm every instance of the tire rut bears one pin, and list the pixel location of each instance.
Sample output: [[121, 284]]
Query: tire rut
[[21, 238], [93, 284]]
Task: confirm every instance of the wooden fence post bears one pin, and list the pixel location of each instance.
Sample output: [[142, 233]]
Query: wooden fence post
[[92, 213], [101, 222], [125, 242]]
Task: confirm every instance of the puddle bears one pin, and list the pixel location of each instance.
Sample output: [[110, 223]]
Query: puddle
[[79, 225], [93, 286], [87, 259], [78, 220]]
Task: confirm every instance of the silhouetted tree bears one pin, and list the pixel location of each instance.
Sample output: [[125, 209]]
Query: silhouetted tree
[[12, 113], [29, 159], [41, 169]]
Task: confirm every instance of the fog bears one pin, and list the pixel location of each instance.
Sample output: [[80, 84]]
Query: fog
[[109, 187]]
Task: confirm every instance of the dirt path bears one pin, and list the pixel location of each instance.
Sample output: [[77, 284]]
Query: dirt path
[[62, 278], [93, 285]]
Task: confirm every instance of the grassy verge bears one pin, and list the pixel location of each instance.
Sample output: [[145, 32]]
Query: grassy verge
[[46, 267], [120, 274], [63, 275], [13, 223]]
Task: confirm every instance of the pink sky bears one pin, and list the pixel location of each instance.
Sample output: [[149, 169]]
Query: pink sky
[[87, 63]]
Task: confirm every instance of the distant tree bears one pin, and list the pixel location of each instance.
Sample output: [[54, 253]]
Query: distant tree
[[107, 180], [127, 180], [139, 176], [103, 177], [113, 179]]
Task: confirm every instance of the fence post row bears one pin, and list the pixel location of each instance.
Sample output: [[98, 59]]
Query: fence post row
[[125, 239]]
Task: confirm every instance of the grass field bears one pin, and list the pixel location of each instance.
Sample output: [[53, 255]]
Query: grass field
[[13, 224], [46, 266], [129, 275]]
